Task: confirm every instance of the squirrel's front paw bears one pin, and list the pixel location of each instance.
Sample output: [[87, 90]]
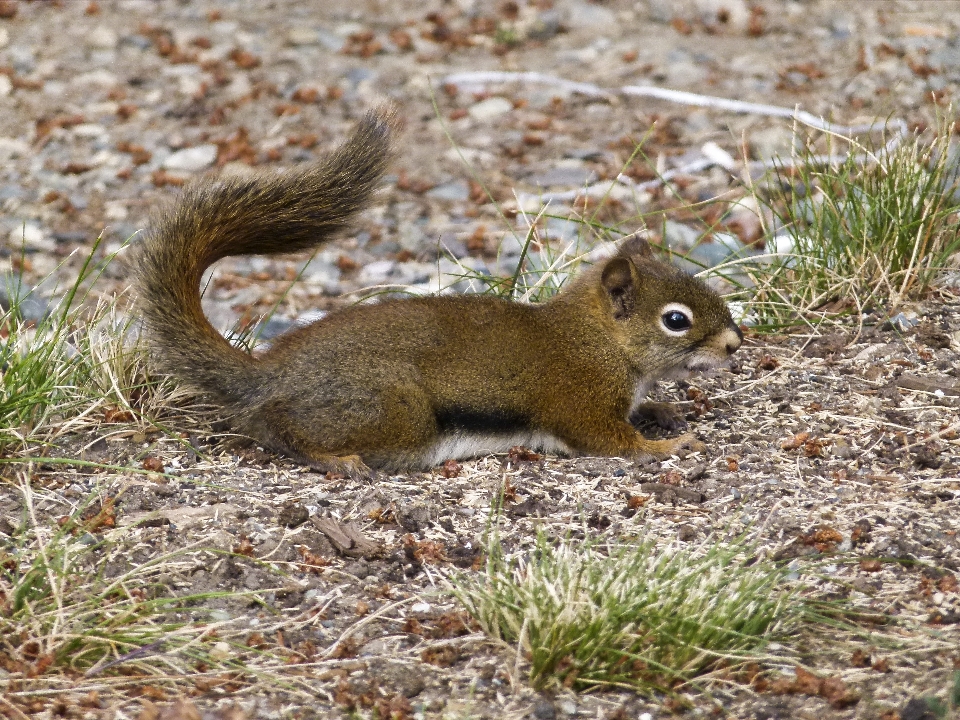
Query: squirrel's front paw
[[689, 441], [664, 415], [662, 449]]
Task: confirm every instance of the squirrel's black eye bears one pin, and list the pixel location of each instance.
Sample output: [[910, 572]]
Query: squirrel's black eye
[[675, 320]]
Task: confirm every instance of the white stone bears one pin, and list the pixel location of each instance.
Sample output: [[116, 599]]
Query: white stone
[[192, 159], [115, 210], [46, 68], [12, 147], [104, 78], [220, 651], [490, 108], [349, 28], [102, 38], [588, 15], [377, 272], [97, 109], [190, 86], [4, 37], [88, 130], [6, 86], [31, 236], [239, 87], [302, 36], [718, 155]]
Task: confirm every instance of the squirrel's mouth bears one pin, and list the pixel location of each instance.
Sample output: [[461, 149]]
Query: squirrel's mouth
[[696, 364]]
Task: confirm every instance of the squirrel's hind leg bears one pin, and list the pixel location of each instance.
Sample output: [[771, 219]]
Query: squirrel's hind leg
[[390, 428]]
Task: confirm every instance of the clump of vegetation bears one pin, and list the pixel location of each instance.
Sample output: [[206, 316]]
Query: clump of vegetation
[[76, 364], [540, 271], [869, 231], [643, 615], [62, 619], [40, 372]]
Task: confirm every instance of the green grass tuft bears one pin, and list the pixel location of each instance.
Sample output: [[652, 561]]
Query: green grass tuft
[[81, 359], [644, 616], [861, 236]]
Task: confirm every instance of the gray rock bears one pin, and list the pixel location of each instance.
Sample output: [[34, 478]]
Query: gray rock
[[414, 517], [272, 327], [377, 272], [662, 11], [679, 237], [547, 24], [564, 176], [900, 322], [325, 274], [138, 41], [457, 190], [331, 41], [390, 272], [709, 254], [544, 710], [383, 248], [8, 192], [355, 76], [449, 244], [584, 15], [23, 59], [563, 229], [510, 247], [27, 301], [731, 242], [771, 142]]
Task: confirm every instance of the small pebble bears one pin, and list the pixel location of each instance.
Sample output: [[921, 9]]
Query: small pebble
[[191, 159], [488, 109]]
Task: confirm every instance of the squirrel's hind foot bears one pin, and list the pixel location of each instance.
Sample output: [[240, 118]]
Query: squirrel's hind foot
[[350, 466]]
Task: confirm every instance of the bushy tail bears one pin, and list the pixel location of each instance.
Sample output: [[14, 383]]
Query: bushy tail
[[262, 215]]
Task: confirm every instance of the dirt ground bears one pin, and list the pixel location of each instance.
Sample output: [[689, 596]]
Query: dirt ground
[[838, 444]]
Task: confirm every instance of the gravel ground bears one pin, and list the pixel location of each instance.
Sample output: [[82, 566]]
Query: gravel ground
[[836, 444]]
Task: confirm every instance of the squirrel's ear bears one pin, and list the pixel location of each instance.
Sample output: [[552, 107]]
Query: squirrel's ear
[[635, 244], [619, 281]]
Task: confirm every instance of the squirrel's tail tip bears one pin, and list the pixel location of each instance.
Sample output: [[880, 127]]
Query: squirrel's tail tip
[[384, 121]]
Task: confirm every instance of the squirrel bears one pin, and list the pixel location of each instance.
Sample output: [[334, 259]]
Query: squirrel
[[410, 383]]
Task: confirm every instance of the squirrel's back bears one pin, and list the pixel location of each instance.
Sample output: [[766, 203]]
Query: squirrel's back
[[262, 215]]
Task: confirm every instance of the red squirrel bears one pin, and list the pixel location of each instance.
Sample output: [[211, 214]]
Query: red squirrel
[[410, 383]]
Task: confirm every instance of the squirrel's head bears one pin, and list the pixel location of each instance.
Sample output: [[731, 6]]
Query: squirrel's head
[[672, 323]]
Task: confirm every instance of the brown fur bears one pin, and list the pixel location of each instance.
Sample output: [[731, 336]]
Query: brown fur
[[393, 382]]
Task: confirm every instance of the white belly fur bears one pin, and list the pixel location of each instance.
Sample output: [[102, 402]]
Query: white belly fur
[[467, 445], [639, 394]]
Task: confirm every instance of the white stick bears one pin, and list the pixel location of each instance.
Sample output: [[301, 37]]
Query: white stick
[[899, 127]]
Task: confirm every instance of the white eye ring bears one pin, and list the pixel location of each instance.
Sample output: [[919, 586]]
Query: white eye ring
[[672, 317]]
